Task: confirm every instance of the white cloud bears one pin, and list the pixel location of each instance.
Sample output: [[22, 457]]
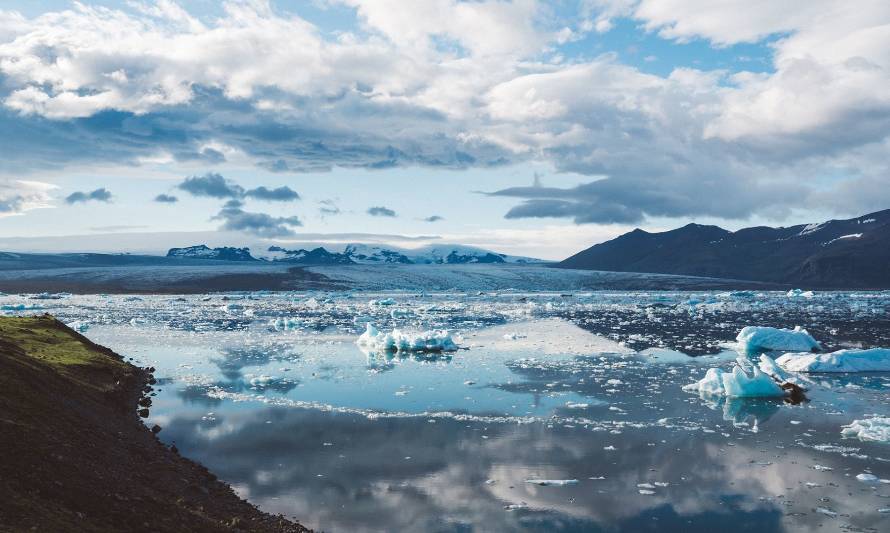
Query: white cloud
[[451, 83], [18, 196]]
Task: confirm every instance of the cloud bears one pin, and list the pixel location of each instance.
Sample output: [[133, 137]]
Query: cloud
[[433, 218], [211, 185], [328, 208], [166, 199], [280, 194], [450, 84], [100, 195], [259, 224], [380, 211], [116, 228], [19, 196]]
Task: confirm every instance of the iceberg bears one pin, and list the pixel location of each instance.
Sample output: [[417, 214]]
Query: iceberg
[[873, 360], [737, 383], [798, 293], [871, 429], [753, 338], [398, 341]]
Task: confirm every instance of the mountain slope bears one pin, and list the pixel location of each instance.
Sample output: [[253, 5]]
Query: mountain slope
[[852, 253]]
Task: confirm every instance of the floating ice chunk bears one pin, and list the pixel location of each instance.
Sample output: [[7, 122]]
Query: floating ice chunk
[[382, 302], [753, 338], [798, 293], [401, 313], [79, 326], [573, 405], [397, 341], [552, 482], [263, 381], [742, 294], [737, 383], [285, 324], [870, 429], [867, 478], [873, 360]]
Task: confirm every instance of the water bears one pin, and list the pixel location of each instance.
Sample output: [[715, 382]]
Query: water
[[270, 392]]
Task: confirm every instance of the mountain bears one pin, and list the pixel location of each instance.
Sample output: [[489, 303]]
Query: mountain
[[226, 253], [366, 254], [316, 256], [853, 253]]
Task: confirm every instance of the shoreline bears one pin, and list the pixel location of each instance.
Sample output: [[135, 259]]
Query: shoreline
[[77, 457]]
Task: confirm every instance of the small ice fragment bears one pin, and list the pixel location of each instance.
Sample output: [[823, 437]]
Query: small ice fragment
[[552, 482], [572, 405], [867, 478], [826, 512], [614, 382], [397, 341], [821, 468], [646, 492], [799, 293], [263, 381], [870, 429]]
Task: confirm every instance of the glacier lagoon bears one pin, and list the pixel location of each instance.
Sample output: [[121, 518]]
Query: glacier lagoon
[[558, 412]]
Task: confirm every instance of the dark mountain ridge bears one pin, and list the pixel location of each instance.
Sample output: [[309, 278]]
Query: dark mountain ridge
[[852, 253]]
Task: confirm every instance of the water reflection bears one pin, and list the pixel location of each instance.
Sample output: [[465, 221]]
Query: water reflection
[[348, 473]]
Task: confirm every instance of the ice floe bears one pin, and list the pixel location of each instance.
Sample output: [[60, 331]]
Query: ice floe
[[753, 338], [799, 293], [873, 360], [552, 482], [737, 383], [869, 429], [398, 341]]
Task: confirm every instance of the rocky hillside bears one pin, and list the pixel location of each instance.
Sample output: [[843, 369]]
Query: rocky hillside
[[76, 457], [853, 253]]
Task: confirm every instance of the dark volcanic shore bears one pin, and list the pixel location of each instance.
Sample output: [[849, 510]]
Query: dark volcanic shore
[[74, 455]]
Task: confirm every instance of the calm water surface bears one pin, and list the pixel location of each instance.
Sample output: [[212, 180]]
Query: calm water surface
[[271, 393]]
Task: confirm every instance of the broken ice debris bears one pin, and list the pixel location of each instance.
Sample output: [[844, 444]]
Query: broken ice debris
[[870, 429], [398, 341], [873, 360], [754, 338]]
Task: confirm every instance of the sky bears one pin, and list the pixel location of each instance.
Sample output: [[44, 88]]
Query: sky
[[529, 127]]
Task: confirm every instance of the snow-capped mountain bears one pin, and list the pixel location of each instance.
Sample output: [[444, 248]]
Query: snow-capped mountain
[[226, 253], [362, 254], [368, 254]]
